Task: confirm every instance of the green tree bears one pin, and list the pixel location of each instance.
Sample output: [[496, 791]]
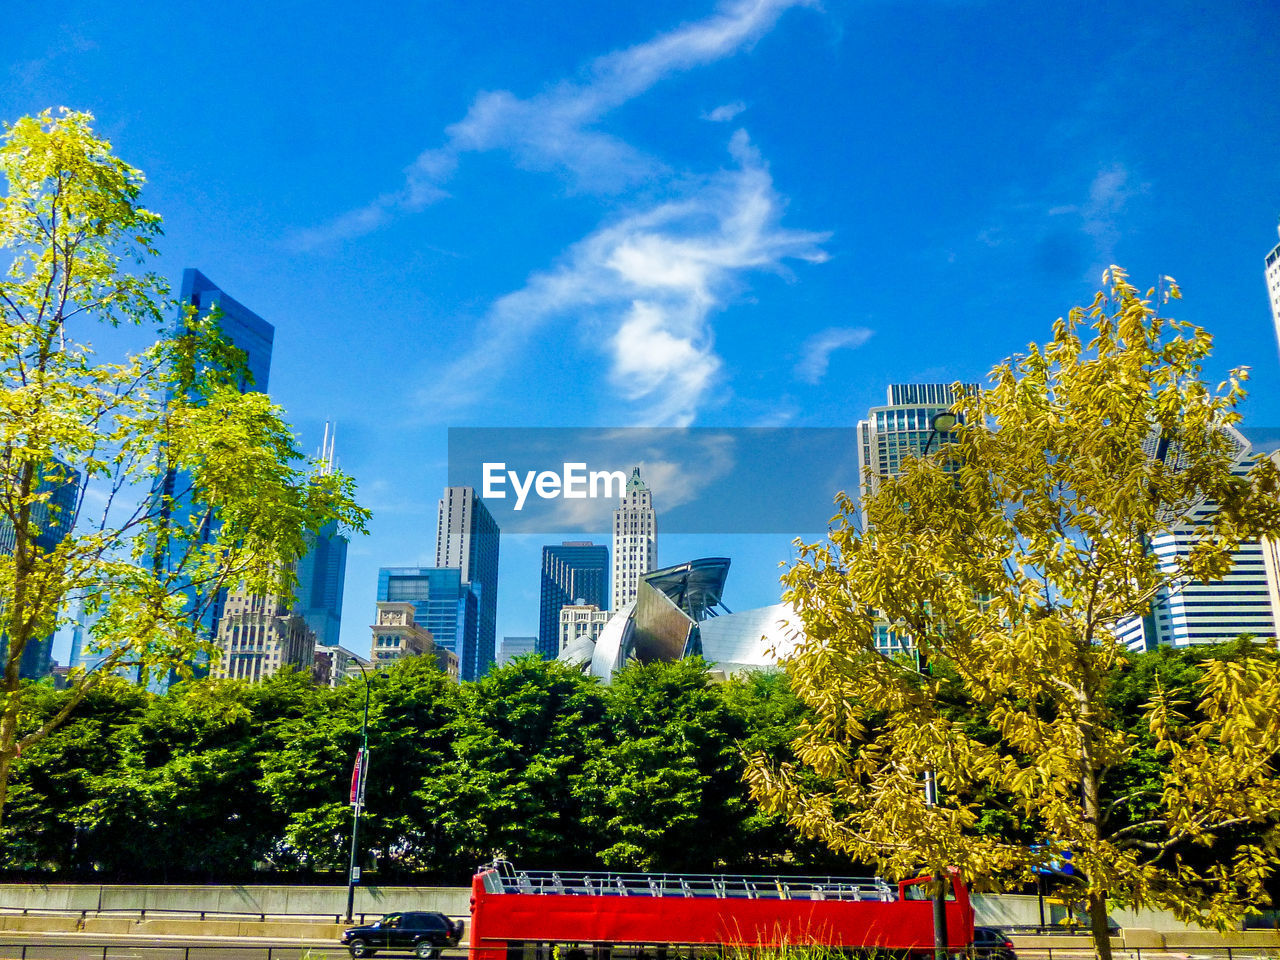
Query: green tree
[[70, 224], [1010, 558], [511, 787], [55, 782], [672, 767]]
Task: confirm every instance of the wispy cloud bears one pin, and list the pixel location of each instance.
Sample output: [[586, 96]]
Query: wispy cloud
[[817, 350], [555, 130], [652, 281], [1076, 239], [725, 112]]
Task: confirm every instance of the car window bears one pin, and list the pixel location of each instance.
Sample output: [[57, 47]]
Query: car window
[[392, 920]]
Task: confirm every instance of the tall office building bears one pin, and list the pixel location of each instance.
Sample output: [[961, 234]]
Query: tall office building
[[253, 335], [50, 520], [322, 569], [1197, 612], [886, 438], [1272, 273], [901, 428], [576, 571], [467, 537], [635, 540], [444, 604], [513, 647]]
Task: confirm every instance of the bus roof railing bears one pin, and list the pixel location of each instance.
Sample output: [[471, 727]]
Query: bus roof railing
[[503, 877]]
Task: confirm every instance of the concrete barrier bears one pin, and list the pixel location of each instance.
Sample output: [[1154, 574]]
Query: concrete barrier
[[1236, 938], [1136, 938], [248, 899], [108, 925], [37, 924]]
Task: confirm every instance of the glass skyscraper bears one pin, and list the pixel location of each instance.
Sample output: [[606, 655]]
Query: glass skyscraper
[[573, 572], [443, 603], [322, 571], [253, 335], [467, 537], [52, 520]]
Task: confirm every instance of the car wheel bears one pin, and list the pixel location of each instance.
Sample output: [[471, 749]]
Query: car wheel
[[360, 948], [425, 951]]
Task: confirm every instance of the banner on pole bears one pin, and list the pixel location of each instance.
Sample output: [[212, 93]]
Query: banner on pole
[[357, 778]]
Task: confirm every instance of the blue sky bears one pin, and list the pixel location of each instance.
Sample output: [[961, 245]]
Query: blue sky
[[744, 214]]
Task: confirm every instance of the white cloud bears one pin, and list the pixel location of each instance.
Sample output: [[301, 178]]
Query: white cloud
[[652, 281], [725, 112], [554, 130], [818, 348]]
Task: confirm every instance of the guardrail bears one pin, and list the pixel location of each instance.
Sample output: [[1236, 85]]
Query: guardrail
[[117, 951], [173, 913]]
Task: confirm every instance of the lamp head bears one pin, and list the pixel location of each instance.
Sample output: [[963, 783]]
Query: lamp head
[[944, 422]]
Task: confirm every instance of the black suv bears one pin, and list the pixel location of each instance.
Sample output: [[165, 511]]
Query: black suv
[[991, 943], [422, 934]]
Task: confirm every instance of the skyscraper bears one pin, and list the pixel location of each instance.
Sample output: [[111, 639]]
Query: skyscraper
[[467, 537], [253, 335], [635, 540], [50, 520], [513, 647], [444, 604], [901, 428], [1196, 611], [1272, 273], [887, 437], [322, 569], [576, 571]]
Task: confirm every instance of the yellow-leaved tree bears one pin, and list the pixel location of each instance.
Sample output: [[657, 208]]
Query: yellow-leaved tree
[[140, 486], [1012, 557]]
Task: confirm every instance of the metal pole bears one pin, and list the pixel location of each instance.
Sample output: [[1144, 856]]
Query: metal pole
[[940, 882], [359, 804], [1040, 897]]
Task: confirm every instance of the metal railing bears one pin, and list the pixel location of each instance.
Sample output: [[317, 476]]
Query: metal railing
[[172, 913], [719, 886]]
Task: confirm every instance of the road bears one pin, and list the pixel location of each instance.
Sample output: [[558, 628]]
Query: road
[[95, 946], [91, 946]]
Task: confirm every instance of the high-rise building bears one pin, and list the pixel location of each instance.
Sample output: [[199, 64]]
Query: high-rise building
[[901, 428], [513, 647], [254, 336], [1196, 611], [1272, 273], [575, 571], [49, 521], [322, 569], [258, 636], [635, 540], [467, 537], [444, 604]]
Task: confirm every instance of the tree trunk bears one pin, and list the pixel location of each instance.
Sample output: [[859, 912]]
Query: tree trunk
[[1098, 925]]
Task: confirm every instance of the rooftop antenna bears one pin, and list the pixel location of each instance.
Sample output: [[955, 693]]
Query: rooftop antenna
[[327, 456]]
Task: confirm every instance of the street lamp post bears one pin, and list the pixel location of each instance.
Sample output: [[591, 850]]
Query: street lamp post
[[357, 792], [942, 422]]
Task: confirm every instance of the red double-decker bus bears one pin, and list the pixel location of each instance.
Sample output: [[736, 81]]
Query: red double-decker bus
[[521, 915]]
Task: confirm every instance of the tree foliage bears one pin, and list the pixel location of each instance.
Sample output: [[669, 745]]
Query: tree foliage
[[1011, 558], [220, 779], [183, 484]]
